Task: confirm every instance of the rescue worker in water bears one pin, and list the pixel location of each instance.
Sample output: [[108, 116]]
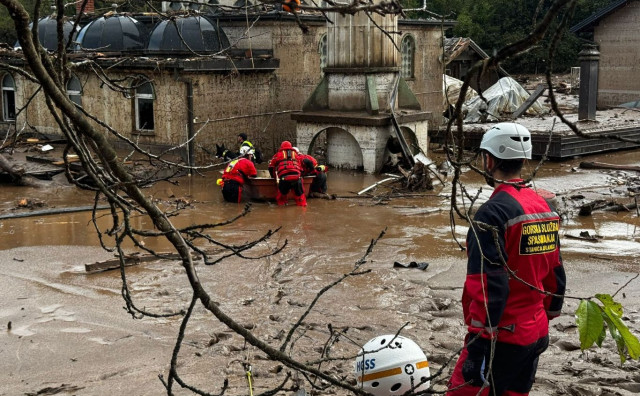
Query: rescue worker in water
[[235, 174], [310, 167], [285, 168]]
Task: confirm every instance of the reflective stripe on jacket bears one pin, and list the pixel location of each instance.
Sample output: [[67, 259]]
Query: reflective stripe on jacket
[[286, 165], [239, 169], [525, 237]]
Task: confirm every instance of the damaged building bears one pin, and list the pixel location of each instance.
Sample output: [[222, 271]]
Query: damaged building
[[208, 76], [616, 33]]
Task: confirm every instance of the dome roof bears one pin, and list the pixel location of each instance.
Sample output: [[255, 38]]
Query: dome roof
[[113, 33], [198, 33], [48, 33]]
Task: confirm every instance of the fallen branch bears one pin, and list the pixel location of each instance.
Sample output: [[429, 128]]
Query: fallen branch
[[18, 174], [53, 211], [137, 258], [602, 165]]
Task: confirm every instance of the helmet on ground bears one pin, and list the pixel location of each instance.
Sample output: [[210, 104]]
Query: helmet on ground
[[507, 140], [285, 145], [391, 365]]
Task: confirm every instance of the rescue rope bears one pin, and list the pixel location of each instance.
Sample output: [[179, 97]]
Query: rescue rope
[[248, 368]]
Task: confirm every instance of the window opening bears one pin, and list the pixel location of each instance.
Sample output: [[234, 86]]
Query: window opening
[[322, 50], [74, 90], [144, 97], [8, 98], [408, 50]]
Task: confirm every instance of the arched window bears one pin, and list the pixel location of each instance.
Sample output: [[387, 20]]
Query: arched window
[[322, 50], [144, 97], [8, 98], [408, 50], [74, 90]]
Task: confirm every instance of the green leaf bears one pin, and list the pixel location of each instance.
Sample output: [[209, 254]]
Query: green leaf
[[602, 336], [590, 323], [630, 341], [616, 337], [608, 302]]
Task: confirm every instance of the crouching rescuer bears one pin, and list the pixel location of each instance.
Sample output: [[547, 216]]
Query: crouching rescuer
[[513, 258], [235, 175], [310, 167]]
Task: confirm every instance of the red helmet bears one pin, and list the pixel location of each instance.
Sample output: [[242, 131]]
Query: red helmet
[[285, 145]]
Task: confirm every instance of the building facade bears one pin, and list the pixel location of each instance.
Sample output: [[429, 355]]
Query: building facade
[[166, 98], [616, 31]]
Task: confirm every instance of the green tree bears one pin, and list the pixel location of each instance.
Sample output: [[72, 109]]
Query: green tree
[[492, 24]]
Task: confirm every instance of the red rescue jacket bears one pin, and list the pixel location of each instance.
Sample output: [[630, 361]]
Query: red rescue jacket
[[527, 239], [286, 165], [307, 164], [239, 169]]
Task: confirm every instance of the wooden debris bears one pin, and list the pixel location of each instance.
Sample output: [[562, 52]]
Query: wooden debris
[[607, 205], [137, 258], [586, 209], [51, 211], [18, 174], [584, 236], [417, 179], [602, 165]]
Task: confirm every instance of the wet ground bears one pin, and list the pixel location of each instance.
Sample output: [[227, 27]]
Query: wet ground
[[68, 331]]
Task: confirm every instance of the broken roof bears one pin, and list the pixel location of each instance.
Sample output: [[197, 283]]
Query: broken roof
[[589, 22], [454, 46]]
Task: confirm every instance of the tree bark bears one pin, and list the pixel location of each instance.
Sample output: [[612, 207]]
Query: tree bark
[[18, 174]]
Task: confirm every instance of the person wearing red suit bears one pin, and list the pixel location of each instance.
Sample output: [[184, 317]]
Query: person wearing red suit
[[310, 167], [515, 280], [235, 174], [285, 168]]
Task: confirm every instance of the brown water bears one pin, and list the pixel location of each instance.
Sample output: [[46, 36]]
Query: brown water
[[415, 226]]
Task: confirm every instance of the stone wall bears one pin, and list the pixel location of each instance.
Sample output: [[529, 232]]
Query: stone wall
[[225, 104], [427, 82], [618, 37]]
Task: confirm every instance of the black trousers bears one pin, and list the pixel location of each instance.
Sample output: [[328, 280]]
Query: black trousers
[[296, 185], [232, 191], [319, 183]]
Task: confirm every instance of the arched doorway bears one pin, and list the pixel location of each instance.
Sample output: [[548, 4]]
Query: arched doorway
[[336, 147]]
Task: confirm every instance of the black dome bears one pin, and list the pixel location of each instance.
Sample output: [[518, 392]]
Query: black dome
[[48, 33], [198, 33], [114, 33]]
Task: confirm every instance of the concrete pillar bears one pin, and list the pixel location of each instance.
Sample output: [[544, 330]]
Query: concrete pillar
[[589, 59]]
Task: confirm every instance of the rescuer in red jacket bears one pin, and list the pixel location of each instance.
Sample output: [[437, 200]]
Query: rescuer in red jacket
[[235, 174], [513, 257], [310, 167], [284, 166]]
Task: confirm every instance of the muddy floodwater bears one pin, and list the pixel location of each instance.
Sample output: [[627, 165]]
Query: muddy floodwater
[[65, 332]]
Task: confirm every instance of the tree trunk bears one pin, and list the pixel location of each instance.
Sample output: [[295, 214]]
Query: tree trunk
[[18, 174]]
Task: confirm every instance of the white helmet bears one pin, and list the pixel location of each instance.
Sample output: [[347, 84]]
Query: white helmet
[[245, 150], [507, 140], [391, 365]]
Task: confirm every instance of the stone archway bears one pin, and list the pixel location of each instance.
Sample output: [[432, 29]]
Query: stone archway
[[359, 145], [411, 139], [339, 147], [343, 150]]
